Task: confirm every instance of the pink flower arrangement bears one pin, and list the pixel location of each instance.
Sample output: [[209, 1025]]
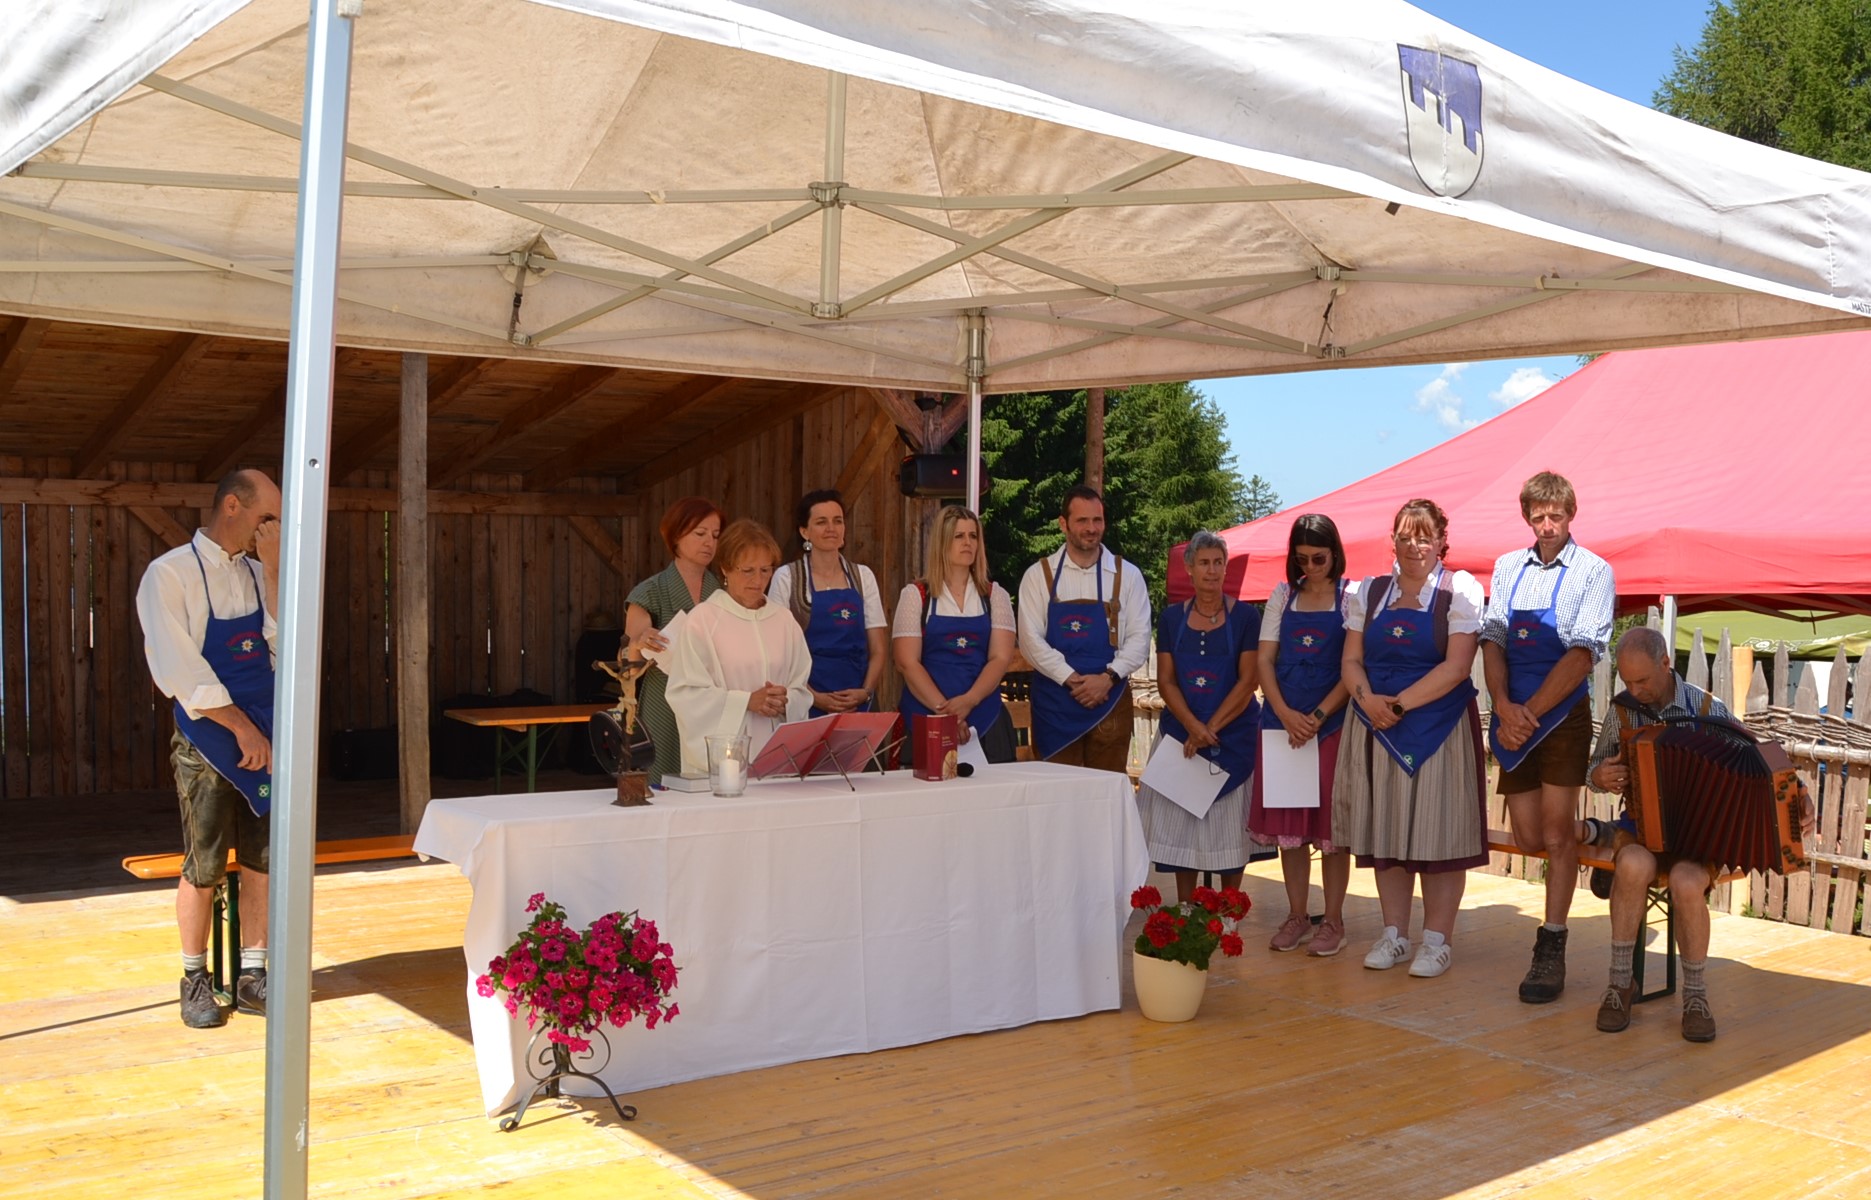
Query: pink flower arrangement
[[1191, 932], [571, 983]]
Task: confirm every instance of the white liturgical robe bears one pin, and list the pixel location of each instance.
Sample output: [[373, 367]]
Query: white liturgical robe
[[723, 653]]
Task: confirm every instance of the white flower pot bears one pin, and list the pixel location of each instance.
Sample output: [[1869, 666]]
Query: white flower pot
[[1167, 991]]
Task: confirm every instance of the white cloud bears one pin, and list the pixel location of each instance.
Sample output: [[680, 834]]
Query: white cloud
[[1523, 385], [1440, 398]]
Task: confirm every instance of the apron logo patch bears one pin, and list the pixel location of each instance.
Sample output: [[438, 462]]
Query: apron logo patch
[[266, 790], [1399, 632]]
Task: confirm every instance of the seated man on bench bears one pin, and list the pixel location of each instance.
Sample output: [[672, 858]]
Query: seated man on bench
[[1652, 691]]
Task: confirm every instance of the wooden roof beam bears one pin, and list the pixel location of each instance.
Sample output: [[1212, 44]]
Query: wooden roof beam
[[16, 347], [446, 386], [929, 429], [734, 431], [177, 357], [228, 452], [521, 421], [687, 396]]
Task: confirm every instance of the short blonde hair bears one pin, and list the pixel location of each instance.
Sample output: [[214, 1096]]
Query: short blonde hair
[[741, 539], [1548, 488]]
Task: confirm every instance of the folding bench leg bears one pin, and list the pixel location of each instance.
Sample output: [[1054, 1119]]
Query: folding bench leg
[[1658, 900], [226, 936]]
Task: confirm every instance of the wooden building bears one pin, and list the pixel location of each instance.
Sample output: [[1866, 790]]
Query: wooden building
[[545, 485]]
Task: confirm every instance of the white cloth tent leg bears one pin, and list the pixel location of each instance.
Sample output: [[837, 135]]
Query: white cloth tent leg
[[305, 484]]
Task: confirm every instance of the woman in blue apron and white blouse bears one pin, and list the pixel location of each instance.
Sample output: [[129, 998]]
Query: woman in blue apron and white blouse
[[953, 636], [838, 606], [1407, 797], [1302, 652], [1206, 659]]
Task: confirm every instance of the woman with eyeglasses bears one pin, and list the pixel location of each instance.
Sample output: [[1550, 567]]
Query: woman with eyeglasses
[[1302, 640], [741, 664], [1206, 663], [1407, 796]]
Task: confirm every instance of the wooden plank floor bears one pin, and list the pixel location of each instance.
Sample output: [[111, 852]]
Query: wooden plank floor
[[1301, 1077]]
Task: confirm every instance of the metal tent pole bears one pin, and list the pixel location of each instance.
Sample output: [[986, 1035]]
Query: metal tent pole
[[304, 484], [977, 370]]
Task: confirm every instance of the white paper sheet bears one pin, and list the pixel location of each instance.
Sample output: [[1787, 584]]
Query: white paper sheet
[[1192, 783], [670, 633], [1289, 778], [970, 752]]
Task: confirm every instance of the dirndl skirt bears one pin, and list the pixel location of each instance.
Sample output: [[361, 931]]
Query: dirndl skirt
[[1433, 821], [1215, 842], [1291, 828]]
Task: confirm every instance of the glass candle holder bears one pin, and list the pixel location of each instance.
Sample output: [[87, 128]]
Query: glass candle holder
[[728, 763]]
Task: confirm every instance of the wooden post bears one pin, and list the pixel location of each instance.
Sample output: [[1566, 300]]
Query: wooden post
[[412, 592], [1094, 438]]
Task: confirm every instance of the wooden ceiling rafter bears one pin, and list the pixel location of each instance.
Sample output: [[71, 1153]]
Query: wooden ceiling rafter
[[446, 385], [16, 349], [801, 398], [525, 419], [687, 396], [229, 452], [174, 362]]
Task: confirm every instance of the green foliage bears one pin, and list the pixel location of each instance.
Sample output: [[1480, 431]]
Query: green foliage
[[1793, 74], [1168, 473]]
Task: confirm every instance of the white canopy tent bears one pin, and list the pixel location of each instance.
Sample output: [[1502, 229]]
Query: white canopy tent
[[916, 193]]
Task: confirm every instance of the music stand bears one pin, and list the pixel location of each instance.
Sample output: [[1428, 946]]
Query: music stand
[[835, 744]]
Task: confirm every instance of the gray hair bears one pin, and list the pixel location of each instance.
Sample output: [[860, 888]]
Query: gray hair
[[1642, 639], [1204, 539]]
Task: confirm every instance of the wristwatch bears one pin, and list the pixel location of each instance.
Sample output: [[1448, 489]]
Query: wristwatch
[[1116, 679], [1397, 708], [1318, 714]]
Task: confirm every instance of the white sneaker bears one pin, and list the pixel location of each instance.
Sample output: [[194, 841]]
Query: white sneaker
[[1431, 961], [1387, 952]]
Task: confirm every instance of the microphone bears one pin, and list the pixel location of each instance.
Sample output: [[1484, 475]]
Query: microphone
[[964, 770]]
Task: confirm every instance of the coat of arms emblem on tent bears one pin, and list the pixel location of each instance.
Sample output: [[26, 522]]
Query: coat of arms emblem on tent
[[1442, 113]]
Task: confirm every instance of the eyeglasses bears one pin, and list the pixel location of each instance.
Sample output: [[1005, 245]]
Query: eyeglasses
[[1415, 539], [1324, 558]]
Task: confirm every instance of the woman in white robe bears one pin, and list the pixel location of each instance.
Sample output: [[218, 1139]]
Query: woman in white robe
[[740, 663]]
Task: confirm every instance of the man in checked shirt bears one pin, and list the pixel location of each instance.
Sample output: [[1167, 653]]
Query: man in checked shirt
[[1547, 623]]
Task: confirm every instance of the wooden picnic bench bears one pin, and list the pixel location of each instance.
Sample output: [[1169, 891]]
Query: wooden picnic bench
[[1656, 901], [224, 930]]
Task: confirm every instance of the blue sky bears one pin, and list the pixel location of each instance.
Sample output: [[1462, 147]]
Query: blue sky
[[1383, 415]]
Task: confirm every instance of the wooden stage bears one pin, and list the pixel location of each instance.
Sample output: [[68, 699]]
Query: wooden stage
[[1301, 1077]]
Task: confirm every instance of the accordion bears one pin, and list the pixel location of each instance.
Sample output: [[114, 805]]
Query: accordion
[[1705, 789]]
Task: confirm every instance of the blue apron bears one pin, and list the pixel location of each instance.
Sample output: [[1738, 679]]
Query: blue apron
[[1080, 631], [236, 651], [1312, 652], [835, 634], [955, 654], [1533, 650], [1206, 674], [1399, 649]]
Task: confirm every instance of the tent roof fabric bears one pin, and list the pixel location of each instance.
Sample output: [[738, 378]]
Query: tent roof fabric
[[1728, 476], [1125, 190]]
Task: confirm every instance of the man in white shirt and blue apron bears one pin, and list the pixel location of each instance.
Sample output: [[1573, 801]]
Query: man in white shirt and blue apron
[[1084, 625], [1548, 622], [208, 632]]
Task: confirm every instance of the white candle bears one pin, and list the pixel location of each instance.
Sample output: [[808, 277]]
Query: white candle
[[731, 777]]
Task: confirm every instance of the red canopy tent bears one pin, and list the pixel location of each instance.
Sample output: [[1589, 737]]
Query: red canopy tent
[[1726, 475]]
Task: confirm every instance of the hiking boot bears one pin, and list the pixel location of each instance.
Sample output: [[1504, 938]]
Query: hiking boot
[[1698, 1021], [1546, 978], [1294, 930], [250, 991], [200, 1010], [1614, 1011]]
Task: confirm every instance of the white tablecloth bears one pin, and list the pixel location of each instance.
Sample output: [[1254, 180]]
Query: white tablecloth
[[809, 920]]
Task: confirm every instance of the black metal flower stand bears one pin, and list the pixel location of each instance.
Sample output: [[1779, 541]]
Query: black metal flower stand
[[556, 1061]]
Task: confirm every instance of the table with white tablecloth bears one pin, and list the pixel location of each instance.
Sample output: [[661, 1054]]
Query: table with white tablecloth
[[810, 919]]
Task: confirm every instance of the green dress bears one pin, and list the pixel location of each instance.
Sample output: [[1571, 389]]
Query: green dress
[[663, 595]]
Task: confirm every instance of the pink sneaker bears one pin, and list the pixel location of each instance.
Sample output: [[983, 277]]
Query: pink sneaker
[[1328, 939], [1291, 933]]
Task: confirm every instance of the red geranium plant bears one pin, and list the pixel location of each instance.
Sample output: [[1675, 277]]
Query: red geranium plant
[[1191, 931], [571, 983]]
